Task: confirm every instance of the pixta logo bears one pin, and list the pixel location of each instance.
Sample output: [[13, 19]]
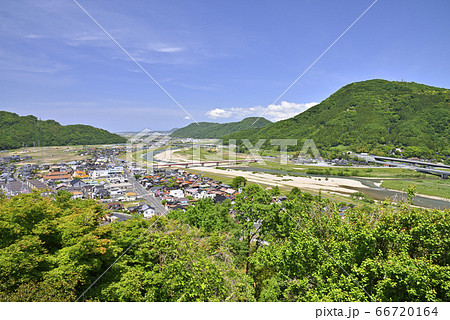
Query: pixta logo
[[142, 147]]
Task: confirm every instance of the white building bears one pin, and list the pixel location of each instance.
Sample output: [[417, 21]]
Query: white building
[[116, 170], [177, 193], [148, 211], [99, 174], [125, 186], [77, 195], [204, 194], [115, 192]]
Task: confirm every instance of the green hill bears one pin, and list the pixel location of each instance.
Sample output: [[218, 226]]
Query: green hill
[[212, 130], [374, 116], [16, 131]]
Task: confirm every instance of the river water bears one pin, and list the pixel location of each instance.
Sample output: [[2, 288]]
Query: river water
[[372, 190]]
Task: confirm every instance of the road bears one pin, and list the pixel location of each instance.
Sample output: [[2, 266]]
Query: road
[[144, 194], [16, 174]]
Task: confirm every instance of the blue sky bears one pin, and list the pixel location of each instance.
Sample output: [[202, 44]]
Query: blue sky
[[221, 60]]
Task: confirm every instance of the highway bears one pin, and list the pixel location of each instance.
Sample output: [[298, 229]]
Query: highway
[[413, 162], [410, 164]]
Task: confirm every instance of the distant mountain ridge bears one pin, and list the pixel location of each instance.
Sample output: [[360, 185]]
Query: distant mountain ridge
[[213, 130], [16, 131], [129, 134], [370, 116]]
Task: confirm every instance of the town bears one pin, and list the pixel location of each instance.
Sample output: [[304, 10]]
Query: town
[[122, 187]]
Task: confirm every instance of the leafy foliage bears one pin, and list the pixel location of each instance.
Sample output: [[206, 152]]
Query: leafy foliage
[[206, 215], [16, 131], [205, 130], [172, 262], [49, 248], [304, 250], [384, 255], [238, 182], [53, 248]]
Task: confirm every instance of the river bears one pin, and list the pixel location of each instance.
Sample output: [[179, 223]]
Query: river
[[372, 190]]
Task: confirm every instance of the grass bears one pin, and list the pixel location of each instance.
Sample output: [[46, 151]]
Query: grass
[[431, 187], [227, 180], [199, 154], [55, 154], [284, 190], [373, 172], [136, 156], [273, 165], [224, 178], [401, 178], [393, 178], [126, 205], [47, 154]]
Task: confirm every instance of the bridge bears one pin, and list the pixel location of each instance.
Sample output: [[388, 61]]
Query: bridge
[[441, 173], [417, 165], [201, 163], [414, 162]]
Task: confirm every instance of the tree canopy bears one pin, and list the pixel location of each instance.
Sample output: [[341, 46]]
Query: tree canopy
[[55, 248], [373, 116], [238, 182], [212, 130], [16, 131]]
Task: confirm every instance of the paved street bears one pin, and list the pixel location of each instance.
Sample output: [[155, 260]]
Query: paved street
[[142, 192], [16, 175]]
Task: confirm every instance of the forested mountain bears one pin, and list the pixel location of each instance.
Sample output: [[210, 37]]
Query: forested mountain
[[371, 116], [16, 131], [205, 130]]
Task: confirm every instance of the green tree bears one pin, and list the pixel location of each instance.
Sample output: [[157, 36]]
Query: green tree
[[386, 255], [238, 182], [206, 215], [411, 191], [172, 262], [53, 248], [49, 247], [250, 209]]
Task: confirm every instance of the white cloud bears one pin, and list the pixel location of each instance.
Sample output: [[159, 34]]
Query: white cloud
[[187, 118], [93, 39], [164, 48], [33, 36], [219, 113], [169, 49], [273, 112]]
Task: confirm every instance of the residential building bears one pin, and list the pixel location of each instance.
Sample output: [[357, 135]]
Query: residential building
[[177, 193]]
